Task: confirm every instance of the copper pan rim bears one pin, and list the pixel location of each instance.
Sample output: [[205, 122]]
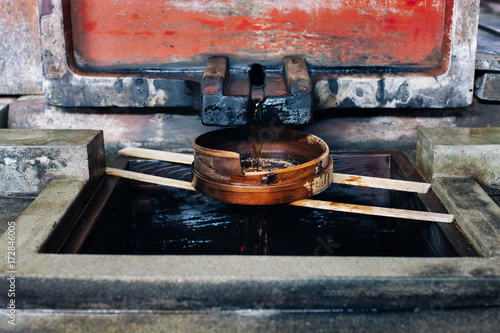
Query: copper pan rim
[[217, 171]]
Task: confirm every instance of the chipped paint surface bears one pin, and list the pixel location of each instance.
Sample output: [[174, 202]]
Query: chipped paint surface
[[109, 33], [322, 182], [319, 184], [451, 89], [448, 86]]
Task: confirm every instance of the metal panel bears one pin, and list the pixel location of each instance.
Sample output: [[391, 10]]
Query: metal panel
[[337, 80], [137, 33]]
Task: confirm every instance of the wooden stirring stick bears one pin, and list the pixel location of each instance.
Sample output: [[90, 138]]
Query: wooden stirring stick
[[150, 179], [338, 178], [326, 205], [384, 183], [157, 155], [377, 211]]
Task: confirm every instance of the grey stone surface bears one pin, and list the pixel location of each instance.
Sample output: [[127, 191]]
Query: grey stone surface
[[4, 107], [488, 86], [460, 152], [10, 209], [493, 193], [343, 130], [122, 127], [220, 283], [436, 320], [475, 212], [29, 159], [488, 38], [20, 61]]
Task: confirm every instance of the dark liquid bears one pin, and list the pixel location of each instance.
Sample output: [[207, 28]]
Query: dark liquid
[[141, 218], [252, 231], [266, 164], [256, 135]]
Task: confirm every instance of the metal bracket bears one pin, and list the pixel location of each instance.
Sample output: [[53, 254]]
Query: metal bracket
[[218, 108], [291, 105]]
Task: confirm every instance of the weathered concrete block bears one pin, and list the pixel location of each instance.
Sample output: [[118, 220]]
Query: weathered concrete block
[[460, 152], [29, 159], [488, 86], [475, 212], [4, 106]]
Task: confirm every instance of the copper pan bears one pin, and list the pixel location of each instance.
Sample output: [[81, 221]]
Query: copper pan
[[218, 173]]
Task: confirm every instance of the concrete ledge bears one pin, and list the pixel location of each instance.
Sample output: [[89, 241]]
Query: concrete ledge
[[475, 212], [437, 319], [460, 152], [29, 159], [10, 209]]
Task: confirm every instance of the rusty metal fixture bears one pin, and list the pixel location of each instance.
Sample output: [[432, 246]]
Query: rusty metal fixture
[[287, 96], [218, 173], [395, 54]]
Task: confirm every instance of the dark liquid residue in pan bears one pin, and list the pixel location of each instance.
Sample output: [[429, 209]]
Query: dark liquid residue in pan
[[266, 164]]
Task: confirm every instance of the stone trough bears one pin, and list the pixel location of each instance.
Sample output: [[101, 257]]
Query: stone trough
[[230, 285]]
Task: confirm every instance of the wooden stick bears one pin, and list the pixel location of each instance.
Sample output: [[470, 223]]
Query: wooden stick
[[338, 178], [384, 183], [157, 155], [326, 205], [150, 179], [378, 211]]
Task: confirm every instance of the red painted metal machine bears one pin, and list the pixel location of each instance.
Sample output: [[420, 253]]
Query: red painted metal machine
[[314, 55]]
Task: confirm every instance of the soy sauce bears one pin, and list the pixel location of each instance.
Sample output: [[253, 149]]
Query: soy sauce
[[266, 164], [256, 130]]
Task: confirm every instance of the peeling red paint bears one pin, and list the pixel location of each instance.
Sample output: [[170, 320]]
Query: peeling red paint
[[404, 33], [143, 33], [246, 25], [90, 26], [342, 56], [114, 32], [212, 90], [209, 23]]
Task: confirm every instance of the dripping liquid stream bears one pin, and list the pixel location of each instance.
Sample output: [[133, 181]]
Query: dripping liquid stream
[[256, 135]]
